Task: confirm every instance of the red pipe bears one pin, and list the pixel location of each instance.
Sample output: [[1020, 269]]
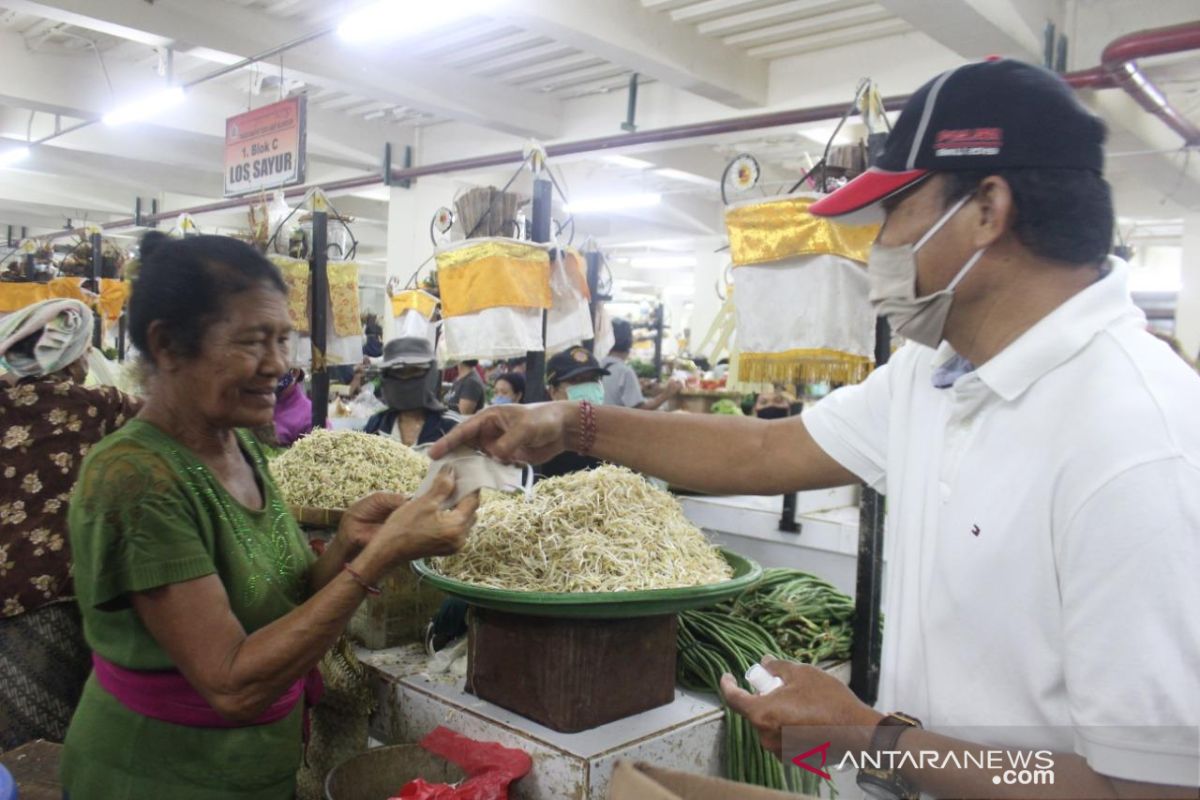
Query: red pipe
[[1118, 68]]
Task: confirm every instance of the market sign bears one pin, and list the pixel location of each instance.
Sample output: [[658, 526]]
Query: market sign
[[264, 148]]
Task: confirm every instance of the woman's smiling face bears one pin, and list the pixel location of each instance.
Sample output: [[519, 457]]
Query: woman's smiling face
[[231, 382]]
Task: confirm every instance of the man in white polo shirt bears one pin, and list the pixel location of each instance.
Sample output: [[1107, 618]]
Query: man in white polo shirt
[[1039, 450]]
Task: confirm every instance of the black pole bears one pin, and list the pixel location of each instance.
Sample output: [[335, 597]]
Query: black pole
[[872, 513], [97, 269], [30, 269], [658, 341], [122, 327], [319, 264], [594, 263], [868, 593], [535, 361]]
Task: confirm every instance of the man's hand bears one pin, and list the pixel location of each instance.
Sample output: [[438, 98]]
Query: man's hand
[[510, 433], [809, 697]]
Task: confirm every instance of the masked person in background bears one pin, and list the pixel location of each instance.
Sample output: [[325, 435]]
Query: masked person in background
[[293, 409], [573, 374], [622, 386], [774, 404], [409, 388], [508, 388]]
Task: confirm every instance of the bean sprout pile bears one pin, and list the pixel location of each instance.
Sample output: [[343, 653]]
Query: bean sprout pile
[[334, 469], [606, 530]]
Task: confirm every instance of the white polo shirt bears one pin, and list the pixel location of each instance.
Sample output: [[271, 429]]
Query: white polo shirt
[[1043, 535]]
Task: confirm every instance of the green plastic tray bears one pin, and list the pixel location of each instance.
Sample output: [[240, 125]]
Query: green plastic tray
[[600, 605]]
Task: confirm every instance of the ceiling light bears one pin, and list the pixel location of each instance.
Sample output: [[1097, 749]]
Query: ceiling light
[[627, 161], [600, 205], [13, 155], [394, 19], [145, 107], [662, 262]]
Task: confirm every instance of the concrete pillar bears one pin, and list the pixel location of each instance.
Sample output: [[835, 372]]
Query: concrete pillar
[[1187, 314], [408, 243], [710, 267]]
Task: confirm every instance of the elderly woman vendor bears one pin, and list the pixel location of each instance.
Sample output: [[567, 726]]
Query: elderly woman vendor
[[203, 606]]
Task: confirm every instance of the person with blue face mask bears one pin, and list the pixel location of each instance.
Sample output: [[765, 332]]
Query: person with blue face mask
[[508, 388], [574, 375]]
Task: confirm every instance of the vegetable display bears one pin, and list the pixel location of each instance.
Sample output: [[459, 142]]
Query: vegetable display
[[728, 406], [789, 615], [604, 530], [334, 469]]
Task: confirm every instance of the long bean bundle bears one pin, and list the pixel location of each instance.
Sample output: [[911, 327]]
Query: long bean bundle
[[334, 469], [605, 530], [810, 619], [712, 643]]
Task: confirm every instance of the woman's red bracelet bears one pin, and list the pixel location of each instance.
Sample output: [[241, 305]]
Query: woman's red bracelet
[[371, 589]]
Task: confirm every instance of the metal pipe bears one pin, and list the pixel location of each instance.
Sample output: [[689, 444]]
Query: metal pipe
[[274, 51], [245, 62], [1118, 68]]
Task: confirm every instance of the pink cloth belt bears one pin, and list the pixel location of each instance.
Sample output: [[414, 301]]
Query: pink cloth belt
[[167, 696]]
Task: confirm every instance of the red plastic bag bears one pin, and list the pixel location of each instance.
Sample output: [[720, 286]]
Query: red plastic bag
[[490, 769]]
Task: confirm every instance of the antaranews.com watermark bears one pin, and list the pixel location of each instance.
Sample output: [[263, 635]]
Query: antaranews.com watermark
[[1002, 757]]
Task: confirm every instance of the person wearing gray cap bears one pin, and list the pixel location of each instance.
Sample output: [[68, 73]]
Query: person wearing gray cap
[[409, 388]]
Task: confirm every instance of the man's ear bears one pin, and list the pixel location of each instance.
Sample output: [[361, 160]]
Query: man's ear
[[997, 212]]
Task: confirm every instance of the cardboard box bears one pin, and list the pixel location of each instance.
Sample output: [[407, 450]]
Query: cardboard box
[[640, 781]]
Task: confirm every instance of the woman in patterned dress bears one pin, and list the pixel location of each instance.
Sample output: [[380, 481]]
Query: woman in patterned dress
[[48, 422]]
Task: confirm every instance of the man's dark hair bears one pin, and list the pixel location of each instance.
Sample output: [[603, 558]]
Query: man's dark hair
[[1061, 214], [187, 282], [472, 363]]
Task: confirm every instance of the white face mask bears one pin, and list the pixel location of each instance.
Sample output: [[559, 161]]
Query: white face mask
[[892, 275]]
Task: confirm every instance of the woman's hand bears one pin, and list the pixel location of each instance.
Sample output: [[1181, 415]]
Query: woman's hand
[[512, 433], [419, 528], [360, 523]]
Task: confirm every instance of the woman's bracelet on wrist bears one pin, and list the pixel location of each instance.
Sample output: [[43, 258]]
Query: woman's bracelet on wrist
[[587, 428], [371, 589]]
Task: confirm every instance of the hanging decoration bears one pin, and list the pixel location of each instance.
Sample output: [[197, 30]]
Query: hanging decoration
[[493, 293], [800, 291]]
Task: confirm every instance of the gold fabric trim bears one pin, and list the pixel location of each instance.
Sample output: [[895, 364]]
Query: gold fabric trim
[[343, 298], [423, 303], [763, 233], [493, 273], [296, 277], [803, 366]]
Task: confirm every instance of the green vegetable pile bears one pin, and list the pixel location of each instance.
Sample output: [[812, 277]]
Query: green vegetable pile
[[790, 615], [729, 406]]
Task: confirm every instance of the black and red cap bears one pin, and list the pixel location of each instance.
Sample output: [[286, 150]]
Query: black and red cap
[[996, 114]]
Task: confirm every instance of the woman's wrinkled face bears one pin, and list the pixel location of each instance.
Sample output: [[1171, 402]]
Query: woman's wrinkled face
[[231, 382]]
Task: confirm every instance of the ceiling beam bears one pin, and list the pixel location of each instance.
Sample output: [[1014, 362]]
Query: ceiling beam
[[220, 29], [628, 33], [191, 135], [979, 28]]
